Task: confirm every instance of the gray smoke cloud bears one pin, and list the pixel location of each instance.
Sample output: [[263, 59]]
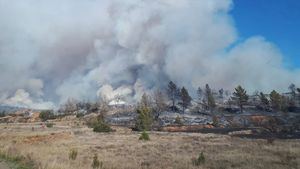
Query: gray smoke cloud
[[54, 50]]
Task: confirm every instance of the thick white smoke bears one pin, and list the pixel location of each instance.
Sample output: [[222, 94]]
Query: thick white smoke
[[55, 50]]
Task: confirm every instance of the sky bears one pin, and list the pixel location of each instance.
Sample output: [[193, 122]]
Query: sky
[[53, 51], [278, 21]]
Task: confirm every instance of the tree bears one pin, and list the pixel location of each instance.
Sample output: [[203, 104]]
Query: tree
[[221, 93], [275, 100], [209, 99], [240, 96], [46, 114], [145, 101], [160, 104], [185, 99], [263, 100], [173, 94], [200, 94], [292, 89], [144, 119]]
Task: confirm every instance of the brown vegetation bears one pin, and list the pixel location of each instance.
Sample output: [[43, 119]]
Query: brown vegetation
[[49, 148]]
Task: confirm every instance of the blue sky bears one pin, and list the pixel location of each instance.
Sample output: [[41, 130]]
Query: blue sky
[[278, 21]]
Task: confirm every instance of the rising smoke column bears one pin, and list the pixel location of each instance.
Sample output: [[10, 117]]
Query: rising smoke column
[[54, 50]]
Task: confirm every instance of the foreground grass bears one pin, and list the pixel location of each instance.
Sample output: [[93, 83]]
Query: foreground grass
[[15, 162], [50, 147]]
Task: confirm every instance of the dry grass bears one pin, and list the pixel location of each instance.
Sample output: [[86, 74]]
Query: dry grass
[[50, 147]]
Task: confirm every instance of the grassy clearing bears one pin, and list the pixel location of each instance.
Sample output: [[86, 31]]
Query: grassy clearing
[[123, 149]]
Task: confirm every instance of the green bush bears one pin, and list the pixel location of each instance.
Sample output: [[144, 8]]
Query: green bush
[[79, 115], [102, 127], [73, 154], [49, 125], [96, 163], [144, 136], [200, 160], [46, 114]]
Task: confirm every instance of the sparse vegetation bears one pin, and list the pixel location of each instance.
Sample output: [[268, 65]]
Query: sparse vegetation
[[199, 161], [73, 154], [17, 162], [49, 125], [96, 164], [144, 136]]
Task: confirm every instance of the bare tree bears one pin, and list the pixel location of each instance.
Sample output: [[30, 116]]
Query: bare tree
[[160, 101]]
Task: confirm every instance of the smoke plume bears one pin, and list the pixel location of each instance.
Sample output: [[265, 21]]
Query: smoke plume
[[54, 50]]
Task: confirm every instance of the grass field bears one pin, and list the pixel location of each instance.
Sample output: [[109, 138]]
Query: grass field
[[49, 148]]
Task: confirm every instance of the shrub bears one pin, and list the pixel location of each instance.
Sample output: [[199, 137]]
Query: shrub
[[102, 127], [49, 125], [47, 114], [200, 160], [270, 140], [144, 119], [73, 154], [215, 120], [96, 163], [178, 121], [144, 136], [98, 124], [79, 115]]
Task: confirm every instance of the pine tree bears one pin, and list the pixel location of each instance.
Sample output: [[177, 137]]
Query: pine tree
[[275, 100], [210, 101], [173, 94], [185, 99], [264, 101], [240, 96]]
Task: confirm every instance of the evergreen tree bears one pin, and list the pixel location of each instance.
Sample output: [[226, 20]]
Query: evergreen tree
[[263, 100], [240, 96], [221, 93], [185, 99], [210, 101], [275, 100], [145, 101], [173, 94], [292, 89]]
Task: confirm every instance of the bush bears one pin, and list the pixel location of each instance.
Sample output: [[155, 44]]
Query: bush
[[49, 125], [96, 163], [200, 160], [47, 114], [144, 136], [178, 121], [73, 154], [102, 127], [79, 115], [215, 120]]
